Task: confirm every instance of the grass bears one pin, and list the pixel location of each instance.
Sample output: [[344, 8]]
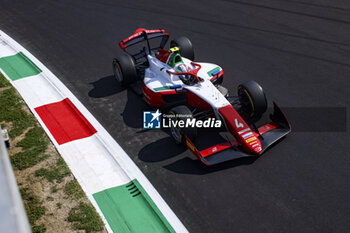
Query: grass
[[56, 172], [73, 189], [34, 145], [39, 228], [34, 137], [3, 81], [35, 142], [59, 205], [11, 111], [34, 208], [54, 189], [28, 158], [85, 218]]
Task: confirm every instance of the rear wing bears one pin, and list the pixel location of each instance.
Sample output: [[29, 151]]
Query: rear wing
[[141, 35]]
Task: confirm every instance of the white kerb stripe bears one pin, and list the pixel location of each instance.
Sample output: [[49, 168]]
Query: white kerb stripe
[[37, 90], [89, 160], [5, 49]]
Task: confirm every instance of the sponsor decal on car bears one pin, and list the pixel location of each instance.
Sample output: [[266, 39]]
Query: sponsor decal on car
[[247, 135], [250, 139]]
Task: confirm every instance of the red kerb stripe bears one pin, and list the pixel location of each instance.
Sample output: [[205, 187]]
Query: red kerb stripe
[[65, 122]]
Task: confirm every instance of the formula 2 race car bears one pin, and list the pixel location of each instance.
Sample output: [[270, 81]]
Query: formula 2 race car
[[173, 82]]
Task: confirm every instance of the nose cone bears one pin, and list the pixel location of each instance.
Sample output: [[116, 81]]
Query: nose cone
[[258, 149], [253, 145]]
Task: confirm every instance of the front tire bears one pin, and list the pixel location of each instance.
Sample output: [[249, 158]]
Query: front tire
[[124, 70], [182, 112], [252, 98], [185, 46]]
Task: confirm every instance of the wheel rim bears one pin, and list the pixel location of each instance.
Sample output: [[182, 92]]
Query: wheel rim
[[117, 72]]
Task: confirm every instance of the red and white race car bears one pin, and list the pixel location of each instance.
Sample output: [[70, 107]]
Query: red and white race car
[[189, 90]]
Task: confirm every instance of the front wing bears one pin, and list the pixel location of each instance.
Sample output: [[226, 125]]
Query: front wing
[[268, 135]]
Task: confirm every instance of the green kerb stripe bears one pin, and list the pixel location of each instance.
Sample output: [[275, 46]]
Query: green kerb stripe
[[128, 208], [213, 71], [18, 66]]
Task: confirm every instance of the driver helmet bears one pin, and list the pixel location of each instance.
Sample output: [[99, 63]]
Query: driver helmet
[[182, 68]]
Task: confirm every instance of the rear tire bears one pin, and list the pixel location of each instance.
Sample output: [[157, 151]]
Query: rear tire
[[124, 70], [253, 99], [185, 46], [177, 133]]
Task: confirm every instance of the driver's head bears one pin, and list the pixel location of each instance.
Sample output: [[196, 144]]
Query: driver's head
[[182, 68]]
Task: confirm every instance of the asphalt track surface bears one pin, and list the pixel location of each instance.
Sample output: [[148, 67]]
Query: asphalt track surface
[[298, 50]]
